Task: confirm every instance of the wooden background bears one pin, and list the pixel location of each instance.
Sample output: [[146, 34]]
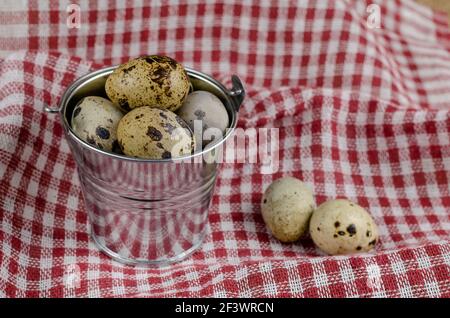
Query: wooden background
[[442, 5]]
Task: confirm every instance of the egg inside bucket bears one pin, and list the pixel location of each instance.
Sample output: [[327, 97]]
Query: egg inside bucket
[[95, 86], [152, 80]]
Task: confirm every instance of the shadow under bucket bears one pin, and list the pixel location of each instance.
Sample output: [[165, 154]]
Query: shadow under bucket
[[144, 211]]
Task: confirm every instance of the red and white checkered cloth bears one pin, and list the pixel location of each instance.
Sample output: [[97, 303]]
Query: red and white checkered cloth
[[363, 113]]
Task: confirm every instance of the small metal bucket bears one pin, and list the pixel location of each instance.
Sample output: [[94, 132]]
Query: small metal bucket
[[146, 212]]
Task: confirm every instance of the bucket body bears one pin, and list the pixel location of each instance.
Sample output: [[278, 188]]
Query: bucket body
[[146, 212]]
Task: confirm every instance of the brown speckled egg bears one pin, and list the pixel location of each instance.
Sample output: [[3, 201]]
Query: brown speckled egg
[[154, 133], [95, 120], [153, 80], [342, 227], [286, 206]]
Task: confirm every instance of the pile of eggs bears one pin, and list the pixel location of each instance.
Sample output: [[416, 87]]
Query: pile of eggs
[[150, 112], [336, 226]]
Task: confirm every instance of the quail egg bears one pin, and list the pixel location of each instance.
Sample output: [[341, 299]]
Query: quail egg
[[206, 108], [95, 120], [153, 80], [287, 205], [343, 227], [154, 133]]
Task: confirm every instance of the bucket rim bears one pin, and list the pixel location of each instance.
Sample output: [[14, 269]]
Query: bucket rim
[[235, 96]]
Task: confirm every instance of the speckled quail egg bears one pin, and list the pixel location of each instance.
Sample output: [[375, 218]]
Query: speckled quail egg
[[95, 120], [153, 80], [343, 227], [287, 205], [154, 133], [207, 108]]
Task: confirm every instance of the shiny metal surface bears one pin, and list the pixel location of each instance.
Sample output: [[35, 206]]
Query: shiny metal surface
[[144, 211]]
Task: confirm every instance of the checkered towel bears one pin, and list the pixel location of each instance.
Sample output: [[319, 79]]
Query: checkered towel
[[363, 113]]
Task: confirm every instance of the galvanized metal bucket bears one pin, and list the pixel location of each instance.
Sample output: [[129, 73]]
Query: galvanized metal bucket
[[143, 211]]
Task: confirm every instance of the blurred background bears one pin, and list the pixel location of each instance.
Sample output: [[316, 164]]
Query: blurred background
[[443, 5]]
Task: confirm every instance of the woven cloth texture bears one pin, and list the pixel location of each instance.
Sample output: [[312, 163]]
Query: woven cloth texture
[[362, 113]]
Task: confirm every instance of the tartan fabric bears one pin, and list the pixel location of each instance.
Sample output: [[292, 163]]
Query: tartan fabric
[[362, 113]]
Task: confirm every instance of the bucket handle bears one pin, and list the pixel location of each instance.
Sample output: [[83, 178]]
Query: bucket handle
[[237, 91], [50, 110]]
